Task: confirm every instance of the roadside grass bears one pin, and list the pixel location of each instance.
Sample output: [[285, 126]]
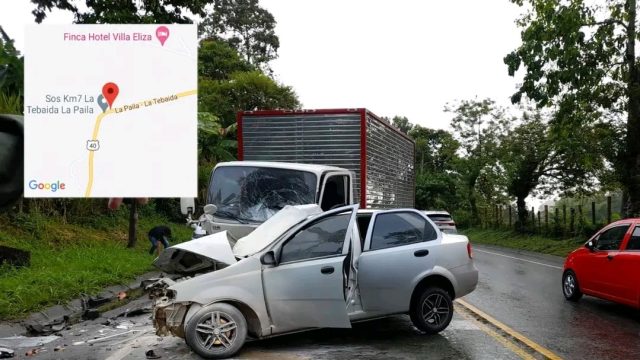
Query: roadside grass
[[514, 240], [70, 259]]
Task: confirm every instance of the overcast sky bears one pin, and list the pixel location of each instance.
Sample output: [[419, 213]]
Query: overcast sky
[[404, 57]]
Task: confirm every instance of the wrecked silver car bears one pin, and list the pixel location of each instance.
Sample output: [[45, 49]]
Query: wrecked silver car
[[306, 269]]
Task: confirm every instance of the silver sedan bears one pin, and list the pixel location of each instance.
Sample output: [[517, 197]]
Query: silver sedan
[[305, 269]]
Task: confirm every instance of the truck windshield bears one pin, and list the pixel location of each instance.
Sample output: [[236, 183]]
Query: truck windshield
[[254, 194]]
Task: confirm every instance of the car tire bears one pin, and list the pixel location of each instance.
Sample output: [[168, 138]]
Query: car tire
[[433, 311], [217, 331], [570, 286]]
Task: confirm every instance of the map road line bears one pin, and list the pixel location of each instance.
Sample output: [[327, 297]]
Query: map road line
[[96, 130]]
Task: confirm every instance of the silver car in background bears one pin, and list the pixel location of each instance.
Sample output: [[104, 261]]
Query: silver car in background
[[305, 269], [443, 220]]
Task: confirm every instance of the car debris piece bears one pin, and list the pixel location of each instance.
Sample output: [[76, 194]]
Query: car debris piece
[[152, 355], [31, 352], [122, 295], [6, 353], [58, 348]]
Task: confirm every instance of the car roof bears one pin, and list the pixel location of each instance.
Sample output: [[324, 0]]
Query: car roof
[[436, 212], [625, 221]]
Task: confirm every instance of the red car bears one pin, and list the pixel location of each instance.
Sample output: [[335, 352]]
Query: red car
[[607, 266]]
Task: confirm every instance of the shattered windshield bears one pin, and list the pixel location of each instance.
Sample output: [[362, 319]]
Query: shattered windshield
[[254, 194]]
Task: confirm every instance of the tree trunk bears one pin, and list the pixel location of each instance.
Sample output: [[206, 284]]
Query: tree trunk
[[522, 213], [133, 223], [632, 180]]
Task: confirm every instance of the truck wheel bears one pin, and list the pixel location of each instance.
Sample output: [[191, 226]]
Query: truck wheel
[[216, 331], [433, 311]]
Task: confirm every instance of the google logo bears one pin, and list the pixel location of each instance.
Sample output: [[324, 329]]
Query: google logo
[[53, 187]]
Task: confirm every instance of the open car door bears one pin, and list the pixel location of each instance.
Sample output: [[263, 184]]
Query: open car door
[[336, 189], [306, 287]]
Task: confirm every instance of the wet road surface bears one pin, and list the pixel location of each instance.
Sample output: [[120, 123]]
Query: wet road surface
[[521, 290]]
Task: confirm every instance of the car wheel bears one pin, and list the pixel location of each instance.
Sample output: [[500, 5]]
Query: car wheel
[[433, 311], [216, 331], [570, 287]]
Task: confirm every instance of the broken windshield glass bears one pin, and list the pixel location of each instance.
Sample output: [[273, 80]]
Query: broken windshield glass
[[247, 193]]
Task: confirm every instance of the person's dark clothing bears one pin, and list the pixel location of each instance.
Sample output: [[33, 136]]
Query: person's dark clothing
[[159, 234]]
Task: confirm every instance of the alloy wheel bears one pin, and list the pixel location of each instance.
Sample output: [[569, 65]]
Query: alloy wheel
[[216, 332], [569, 285], [435, 310]]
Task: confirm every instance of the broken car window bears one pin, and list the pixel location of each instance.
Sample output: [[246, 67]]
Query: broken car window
[[322, 238]]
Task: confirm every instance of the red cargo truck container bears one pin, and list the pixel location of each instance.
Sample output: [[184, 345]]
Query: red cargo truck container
[[380, 156]]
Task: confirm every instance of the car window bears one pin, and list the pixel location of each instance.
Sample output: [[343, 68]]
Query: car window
[[612, 238], [400, 228], [634, 241], [322, 238], [440, 217]]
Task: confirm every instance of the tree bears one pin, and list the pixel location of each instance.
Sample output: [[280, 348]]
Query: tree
[[436, 178], [247, 27], [251, 90], [124, 11], [402, 123], [216, 143], [478, 125], [217, 60], [11, 69], [580, 57]]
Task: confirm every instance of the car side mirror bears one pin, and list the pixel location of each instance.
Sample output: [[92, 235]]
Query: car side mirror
[[590, 245], [269, 258], [210, 209]]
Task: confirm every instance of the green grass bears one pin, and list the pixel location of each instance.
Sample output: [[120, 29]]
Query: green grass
[[511, 239], [69, 259]]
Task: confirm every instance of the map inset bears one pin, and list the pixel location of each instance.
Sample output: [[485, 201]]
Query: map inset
[[111, 111]]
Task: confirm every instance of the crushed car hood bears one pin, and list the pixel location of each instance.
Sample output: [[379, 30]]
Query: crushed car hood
[[270, 230], [208, 253], [214, 252]]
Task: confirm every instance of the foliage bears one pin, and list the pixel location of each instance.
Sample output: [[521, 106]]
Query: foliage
[[478, 125], [402, 124], [579, 56], [247, 27], [124, 11], [243, 91], [216, 143], [217, 60], [11, 75], [510, 239]]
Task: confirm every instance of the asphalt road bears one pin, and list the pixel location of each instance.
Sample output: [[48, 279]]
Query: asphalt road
[[523, 290], [520, 290]]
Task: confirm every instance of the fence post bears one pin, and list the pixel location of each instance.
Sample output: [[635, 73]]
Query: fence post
[[485, 218], [608, 209], [533, 217], [500, 212], [572, 221], [539, 222], [509, 216], [593, 212], [557, 218], [546, 217], [564, 216]]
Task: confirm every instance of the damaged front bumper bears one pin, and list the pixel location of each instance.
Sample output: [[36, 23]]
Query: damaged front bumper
[[169, 317]]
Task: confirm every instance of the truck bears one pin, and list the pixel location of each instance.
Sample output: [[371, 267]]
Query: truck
[[331, 157]]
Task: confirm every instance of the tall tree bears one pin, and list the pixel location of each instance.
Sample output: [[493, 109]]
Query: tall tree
[[581, 57], [478, 125], [402, 123], [124, 11], [246, 26], [11, 68]]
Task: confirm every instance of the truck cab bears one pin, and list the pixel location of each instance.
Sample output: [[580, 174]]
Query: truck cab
[[247, 193]]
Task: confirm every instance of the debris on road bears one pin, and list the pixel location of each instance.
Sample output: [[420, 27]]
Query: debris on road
[[6, 353], [122, 295], [100, 339], [152, 355], [58, 348], [32, 352], [27, 342]]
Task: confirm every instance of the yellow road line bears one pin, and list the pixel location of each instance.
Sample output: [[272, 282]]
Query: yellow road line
[[525, 340], [96, 130], [501, 339]]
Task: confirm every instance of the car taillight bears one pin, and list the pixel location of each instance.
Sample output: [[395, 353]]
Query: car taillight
[[469, 250]]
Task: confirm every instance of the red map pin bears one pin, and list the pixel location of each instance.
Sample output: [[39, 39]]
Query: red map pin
[[110, 92]]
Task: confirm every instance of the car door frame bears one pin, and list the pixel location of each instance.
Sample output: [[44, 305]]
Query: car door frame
[[377, 308], [600, 267], [335, 310], [348, 190]]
